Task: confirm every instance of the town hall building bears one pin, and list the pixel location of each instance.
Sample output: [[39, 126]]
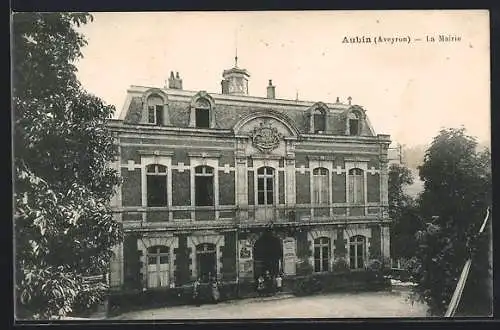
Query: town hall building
[[232, 185]]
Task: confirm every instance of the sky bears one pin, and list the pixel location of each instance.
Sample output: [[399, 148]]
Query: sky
[[409, 90]]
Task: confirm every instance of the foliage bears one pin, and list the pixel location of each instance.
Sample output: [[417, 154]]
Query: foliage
[[457, 181], [309, 285], [340, 265], [399, 177], [403, 212], [64, 229], [374, 265], [303, 267]]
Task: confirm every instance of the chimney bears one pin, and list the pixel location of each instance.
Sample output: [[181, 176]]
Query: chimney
[[174, 82], [178, 81], [171, 80], [271, 90]]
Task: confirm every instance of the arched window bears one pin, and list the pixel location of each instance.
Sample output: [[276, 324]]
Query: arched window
[[204, 186], [156, 185], [202, 113], [158, 266], [321, 254], [319, 121], [354, 123], [320, 186], [265, 186], [206, 261], [155, 110], [357, 251], [356, 186]]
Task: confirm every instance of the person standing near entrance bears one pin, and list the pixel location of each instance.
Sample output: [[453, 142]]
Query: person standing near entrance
[[215, 291], [268, 282], [260, 285], [196, 292], [279, 282]]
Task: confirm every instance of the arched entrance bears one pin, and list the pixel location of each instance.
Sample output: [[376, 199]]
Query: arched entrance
[[268, 254]]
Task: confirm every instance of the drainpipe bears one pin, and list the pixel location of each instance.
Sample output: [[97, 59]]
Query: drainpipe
[[237, 265]]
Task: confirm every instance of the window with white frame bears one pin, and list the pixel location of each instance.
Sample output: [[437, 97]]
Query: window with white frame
[[320, 186], [158, 266], [156, 185], [321, 254], [265, 186], [155, 110], [204, 185], [356, 186], [357, 247]]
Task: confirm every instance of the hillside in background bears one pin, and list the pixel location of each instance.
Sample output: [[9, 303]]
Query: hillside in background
[[413, 156]]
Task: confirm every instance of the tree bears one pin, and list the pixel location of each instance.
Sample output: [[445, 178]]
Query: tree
[[403, 212], [457, 191], [64, 229]]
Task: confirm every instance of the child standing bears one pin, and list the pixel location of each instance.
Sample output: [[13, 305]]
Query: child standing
[[279, 282]]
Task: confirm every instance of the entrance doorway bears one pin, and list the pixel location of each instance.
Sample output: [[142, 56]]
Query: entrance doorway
[[206, 261], [268, 255]]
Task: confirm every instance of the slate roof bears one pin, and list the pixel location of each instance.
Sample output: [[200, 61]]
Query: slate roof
[[229, 109]]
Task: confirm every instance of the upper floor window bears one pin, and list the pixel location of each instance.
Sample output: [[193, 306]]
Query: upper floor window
[[319, 121], [356, 186], [321, 254], [357, 251], [320, 186], [158, 266], [202, 113], [204, 186], [155, 110], [354, 123], [156, 185], [265, 186]]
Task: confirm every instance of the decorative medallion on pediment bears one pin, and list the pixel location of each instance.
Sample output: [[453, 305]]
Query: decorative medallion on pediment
[[265, 137]]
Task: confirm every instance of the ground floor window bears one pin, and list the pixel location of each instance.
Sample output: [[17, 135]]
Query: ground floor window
[[206, 261], [357, 251], [158, 266], [321, 254]]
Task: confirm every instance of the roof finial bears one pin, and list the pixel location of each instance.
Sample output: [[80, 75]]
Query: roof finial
[[236, 47], [349, 99], [296, 95]]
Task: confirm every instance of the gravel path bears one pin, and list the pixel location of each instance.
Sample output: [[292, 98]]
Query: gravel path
[[335, 305]]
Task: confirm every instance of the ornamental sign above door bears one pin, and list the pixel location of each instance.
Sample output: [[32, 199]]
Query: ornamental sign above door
[[266, 138]]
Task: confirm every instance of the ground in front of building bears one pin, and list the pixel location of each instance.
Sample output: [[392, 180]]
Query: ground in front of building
[[336, 305]]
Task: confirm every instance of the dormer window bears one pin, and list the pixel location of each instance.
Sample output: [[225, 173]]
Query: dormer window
[[319, 121], [318, 118], [354, 124], [202, 111], [155, 111]]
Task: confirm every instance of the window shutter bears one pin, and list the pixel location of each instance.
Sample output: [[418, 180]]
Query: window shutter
[[151, 114]]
